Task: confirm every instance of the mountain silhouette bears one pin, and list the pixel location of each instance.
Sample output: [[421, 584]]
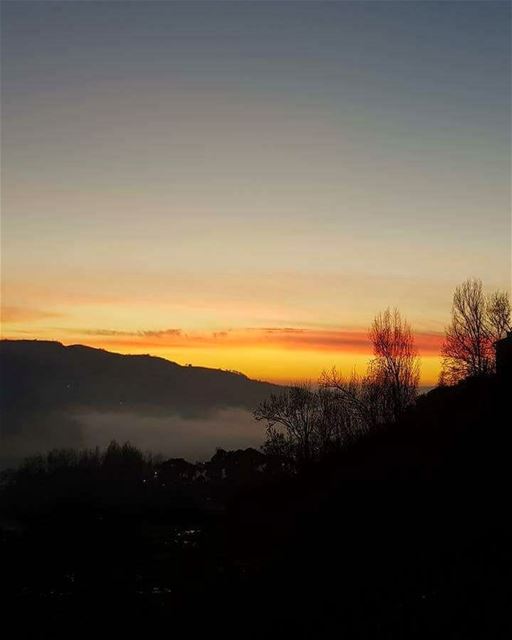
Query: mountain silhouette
[[48, 374], [45, 384]]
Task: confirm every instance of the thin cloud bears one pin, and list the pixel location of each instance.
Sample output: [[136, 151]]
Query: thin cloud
[[289, 338], [15, 315], [161, 334], [114, 333]]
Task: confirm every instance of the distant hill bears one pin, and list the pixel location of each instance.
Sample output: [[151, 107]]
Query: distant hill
[[45, 374], [44, 385]]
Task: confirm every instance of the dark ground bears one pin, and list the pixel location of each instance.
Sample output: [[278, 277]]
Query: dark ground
[[404, 535]]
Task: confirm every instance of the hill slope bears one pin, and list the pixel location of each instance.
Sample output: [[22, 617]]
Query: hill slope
[[45, 385], [48, 374]]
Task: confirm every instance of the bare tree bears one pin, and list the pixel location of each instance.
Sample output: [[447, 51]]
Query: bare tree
[[304, 424], [394, 369], [499, 315], [391, 380], [358, 400], [477, 322], [292, 418], [339, 421]]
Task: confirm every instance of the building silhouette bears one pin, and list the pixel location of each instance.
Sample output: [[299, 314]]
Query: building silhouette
[[504, 357]]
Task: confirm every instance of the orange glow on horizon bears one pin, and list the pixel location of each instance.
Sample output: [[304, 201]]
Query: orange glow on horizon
[[281, 355]]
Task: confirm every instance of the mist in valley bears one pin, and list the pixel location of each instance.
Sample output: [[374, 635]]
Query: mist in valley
[[194, 437]]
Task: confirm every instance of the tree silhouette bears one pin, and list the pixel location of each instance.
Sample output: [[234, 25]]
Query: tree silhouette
[[477, 322], [498, 315], [292, 420], [358, 400], [304, 424], [391, 380], [395, 367]]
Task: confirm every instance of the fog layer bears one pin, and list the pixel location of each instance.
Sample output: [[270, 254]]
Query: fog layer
[[170, 435]]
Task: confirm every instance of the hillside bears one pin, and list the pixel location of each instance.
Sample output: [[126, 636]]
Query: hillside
[[46, 385], [48, 374]]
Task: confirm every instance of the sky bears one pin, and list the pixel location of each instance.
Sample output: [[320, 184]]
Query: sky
[[244, 185]]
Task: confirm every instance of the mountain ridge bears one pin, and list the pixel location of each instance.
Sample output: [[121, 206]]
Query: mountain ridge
[[51, 395], [78, 374]]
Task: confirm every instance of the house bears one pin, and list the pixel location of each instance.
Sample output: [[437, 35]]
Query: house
[[504, 357]]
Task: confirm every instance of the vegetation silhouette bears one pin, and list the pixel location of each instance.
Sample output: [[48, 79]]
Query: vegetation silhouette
[[306, 424], [478, 321], [371, 512]]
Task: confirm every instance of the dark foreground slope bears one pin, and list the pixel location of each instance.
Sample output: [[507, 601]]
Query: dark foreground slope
[[405, 535], [45, 386]]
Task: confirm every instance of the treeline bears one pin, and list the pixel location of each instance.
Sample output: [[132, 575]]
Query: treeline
[[123, 475], [306, 424]]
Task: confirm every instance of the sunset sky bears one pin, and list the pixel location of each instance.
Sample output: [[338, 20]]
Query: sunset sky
[[245, 185]]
